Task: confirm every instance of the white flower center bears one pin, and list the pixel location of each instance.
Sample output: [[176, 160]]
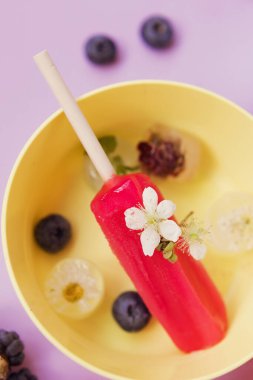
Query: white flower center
[[73, 292], [152, 219]]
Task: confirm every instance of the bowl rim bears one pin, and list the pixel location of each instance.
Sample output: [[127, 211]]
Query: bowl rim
[[10, 180]]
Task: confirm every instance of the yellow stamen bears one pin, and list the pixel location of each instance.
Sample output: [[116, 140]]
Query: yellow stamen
[[246, 219], [73, 292]]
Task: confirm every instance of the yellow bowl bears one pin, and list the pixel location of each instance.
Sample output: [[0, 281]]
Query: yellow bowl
[[49, 177]]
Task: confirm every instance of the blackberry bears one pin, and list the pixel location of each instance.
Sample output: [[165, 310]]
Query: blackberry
[[11, 347], [130, 311], [157, 32], [100, 49], [17, 359], [23, 374], [161, 157], [52, 233]]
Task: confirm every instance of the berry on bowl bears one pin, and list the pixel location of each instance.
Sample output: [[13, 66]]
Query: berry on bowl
[[52, 233], [161, 157], [130, 312], [169, 152]]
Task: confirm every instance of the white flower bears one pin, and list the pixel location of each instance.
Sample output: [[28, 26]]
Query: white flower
[[230, 221], [193, 238], [153, 220], [236, 227], [197, 250]]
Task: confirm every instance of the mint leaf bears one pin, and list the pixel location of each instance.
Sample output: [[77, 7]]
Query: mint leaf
[[120, 166], [109, 143]]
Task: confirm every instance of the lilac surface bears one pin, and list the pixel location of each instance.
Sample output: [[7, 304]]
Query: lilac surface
[[213, 49]]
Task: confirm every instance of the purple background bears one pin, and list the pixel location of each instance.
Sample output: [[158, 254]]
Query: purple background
[[213, 49]]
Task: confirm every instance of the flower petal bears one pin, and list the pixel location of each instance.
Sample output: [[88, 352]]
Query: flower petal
[[197, 250], [135, 218], [169, 230], [149, 241], [165, 209], [150, 199]]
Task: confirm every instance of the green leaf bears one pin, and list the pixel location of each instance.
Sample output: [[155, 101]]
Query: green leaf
[[109, 143], [131, 168], [120, 166]]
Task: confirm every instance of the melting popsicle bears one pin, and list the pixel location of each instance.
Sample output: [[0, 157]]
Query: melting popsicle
[[181, 296]]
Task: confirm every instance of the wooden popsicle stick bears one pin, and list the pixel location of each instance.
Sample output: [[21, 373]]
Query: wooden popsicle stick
[[75, 116]]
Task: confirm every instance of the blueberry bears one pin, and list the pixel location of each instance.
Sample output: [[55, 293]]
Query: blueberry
[[100, 49], [130, 311], [52, 233], [157, 32]]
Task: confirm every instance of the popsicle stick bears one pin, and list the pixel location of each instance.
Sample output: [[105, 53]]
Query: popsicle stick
[[75, 116]]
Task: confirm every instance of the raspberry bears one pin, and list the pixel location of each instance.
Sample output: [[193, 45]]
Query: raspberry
[[161, 157]]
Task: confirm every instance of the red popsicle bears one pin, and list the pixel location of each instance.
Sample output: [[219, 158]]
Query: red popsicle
[[180, 295]]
